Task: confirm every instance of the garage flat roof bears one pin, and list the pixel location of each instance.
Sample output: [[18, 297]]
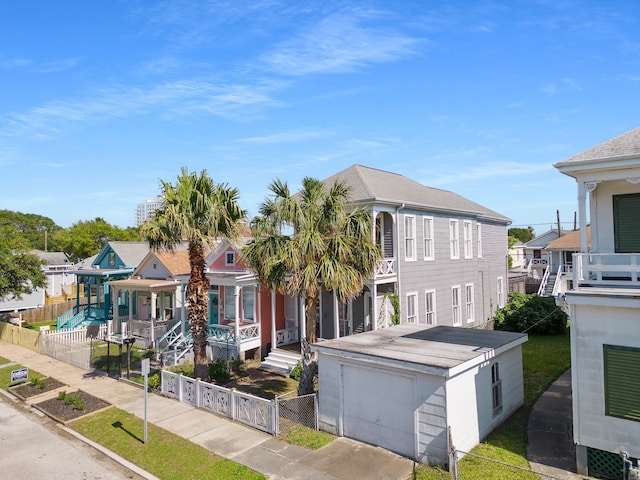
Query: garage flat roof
[[438, 349]]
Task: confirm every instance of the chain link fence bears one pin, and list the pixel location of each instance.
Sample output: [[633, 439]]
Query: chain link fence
[[293, 410]]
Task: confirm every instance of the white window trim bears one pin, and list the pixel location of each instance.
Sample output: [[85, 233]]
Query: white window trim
[[496, 389], [415, 317], [430, 239], [226, 259], [433, 306], [454, 239], [455, 309], [479, 240], [500, 292], [412, 257], [469, 306], [468, 238]]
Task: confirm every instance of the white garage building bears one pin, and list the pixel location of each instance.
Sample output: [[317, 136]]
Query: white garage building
[[401, 388]]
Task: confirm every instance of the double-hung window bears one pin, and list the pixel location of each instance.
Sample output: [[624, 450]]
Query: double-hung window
[[479, 239], [469, 311], [454, 239], [455, 305], [430, 307], [500, 292], [409, 237], [428, 238], [412, 307], [466, 233]]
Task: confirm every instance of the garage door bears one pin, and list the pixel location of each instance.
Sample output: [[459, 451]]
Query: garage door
[[378, 408]]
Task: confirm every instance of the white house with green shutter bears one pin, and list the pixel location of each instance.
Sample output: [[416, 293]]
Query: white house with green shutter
[[605, 306]]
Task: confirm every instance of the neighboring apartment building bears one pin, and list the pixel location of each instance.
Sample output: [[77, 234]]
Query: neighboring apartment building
[[605, 308], [145, 210], [444, 256]]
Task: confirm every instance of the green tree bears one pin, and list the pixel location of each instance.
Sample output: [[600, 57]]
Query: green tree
[[21, 271], [35, 229], [522, 234], [309, 241], [86, 238], [200, 212]]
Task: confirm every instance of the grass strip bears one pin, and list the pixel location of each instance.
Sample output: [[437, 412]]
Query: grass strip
[[5, 376], [165, 455], [306, 437], [4, 360]]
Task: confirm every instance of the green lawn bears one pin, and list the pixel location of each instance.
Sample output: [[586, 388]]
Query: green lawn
[[544, 358], [36, 326], [165, 455], [5, 375]]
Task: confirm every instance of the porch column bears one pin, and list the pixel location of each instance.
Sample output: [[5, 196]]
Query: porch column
[[582, 215], [336, 315], [273, 318], [236, 296], [114, 324], [183, 308], [154, 301], [374, 306], [302, 318]]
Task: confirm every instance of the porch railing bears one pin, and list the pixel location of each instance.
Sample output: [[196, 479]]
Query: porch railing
[[286, 336], [386, 266], [607, 269], [227, 333]]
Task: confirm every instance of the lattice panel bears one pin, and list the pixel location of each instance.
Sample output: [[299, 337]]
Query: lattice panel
[[605, 464]]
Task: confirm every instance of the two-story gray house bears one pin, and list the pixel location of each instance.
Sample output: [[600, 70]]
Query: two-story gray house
[[445, 257]]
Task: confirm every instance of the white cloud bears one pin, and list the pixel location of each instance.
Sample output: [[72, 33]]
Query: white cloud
[[338, 43], [482, 171], [287, 137], [561, 86]]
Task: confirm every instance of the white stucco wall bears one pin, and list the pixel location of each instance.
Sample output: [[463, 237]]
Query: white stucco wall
[[593, 326]]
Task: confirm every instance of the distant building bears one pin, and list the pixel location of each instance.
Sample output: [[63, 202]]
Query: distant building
[[145, 210]]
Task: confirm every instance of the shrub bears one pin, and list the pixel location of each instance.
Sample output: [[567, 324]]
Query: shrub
[[38, 383], [154, 381], [533, 312], [296, 371], [72, 399], [219, 371]]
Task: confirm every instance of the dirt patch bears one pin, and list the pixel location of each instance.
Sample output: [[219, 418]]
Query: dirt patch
[[263, 383], [31, 389], [73, 405]]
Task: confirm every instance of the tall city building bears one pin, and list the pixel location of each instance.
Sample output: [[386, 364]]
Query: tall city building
[[146, 209]]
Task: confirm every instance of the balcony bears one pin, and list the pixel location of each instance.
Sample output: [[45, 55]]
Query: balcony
[[612, 270], [248, 335], [386, 267]]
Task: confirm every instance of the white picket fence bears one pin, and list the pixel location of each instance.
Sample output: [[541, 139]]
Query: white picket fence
[[71, 346]]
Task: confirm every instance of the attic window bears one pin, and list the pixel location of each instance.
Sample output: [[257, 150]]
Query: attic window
[[112, 259], [155, 265], [230, 258]]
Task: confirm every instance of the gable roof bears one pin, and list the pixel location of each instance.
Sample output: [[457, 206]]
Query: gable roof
[[570, 241], [130, 253], [620, 147], [371, 185], [542, 240]]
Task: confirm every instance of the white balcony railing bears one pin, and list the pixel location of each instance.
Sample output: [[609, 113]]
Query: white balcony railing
[[248, 335], [387, 266], [607, 270]]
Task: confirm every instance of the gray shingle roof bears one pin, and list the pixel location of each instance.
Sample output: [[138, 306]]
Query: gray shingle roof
[[370, 185], [131, 253], [622, 146]]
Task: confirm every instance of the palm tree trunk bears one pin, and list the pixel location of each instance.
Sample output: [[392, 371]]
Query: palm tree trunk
[[197, 290], [309, 359]]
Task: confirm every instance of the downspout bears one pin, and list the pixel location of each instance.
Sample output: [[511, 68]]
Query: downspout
[[398, 285]]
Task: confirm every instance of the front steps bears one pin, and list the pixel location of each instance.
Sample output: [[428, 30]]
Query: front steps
[[282, 361]]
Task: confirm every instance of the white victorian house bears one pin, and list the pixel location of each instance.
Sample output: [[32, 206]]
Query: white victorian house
[[604, 307]]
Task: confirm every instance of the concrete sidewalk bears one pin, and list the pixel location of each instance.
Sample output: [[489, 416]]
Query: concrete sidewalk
[[342, 459], [550, 449]]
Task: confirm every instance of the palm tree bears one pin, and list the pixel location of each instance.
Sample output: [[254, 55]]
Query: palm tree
[[199, 212], [307, 242]]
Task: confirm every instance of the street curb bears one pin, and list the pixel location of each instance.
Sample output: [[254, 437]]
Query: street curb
[[114, 456]]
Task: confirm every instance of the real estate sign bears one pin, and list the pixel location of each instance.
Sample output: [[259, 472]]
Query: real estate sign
[[19, 375]]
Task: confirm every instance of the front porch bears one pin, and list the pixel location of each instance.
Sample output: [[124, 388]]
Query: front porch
[[609, 270]]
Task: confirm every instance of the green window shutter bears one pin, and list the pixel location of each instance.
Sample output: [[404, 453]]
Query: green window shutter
[[626, 223], [622, 382]]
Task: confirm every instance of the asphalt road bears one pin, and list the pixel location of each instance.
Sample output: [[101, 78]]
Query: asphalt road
[[34, 448]]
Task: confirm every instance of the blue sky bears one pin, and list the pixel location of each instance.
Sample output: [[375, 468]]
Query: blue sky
[[100, 99]]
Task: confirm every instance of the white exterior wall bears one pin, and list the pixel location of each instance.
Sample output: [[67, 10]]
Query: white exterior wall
[[442, 273], [469, 399], [591, 328]]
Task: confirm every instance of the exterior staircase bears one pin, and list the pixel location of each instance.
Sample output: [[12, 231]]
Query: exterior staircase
[[282, 361], [548, 289]]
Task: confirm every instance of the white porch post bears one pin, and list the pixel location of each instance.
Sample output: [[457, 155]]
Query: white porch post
[[273, 318], [236, 296], [115, 323], [374, 306], [302, 318], [154, 301], [336, 315], [183, 308], [582, 215]]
